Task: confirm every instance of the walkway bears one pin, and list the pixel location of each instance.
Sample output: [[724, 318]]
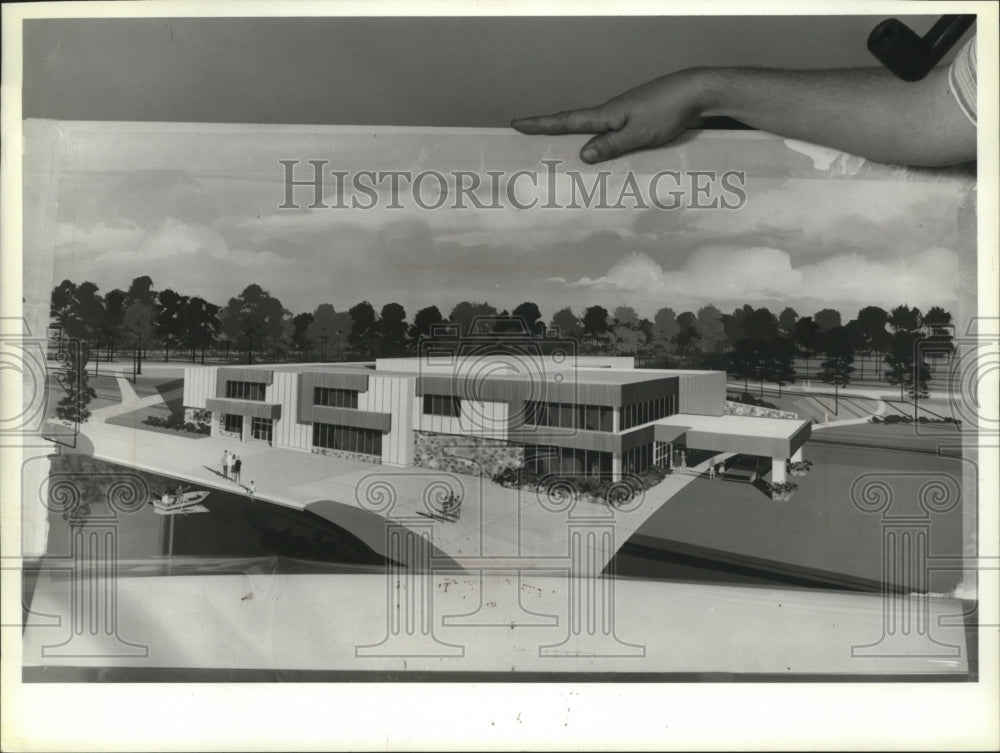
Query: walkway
[[851, 421], [130, 401], [498, 529]]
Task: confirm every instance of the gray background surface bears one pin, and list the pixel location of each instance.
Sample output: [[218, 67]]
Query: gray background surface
[[398, 71]]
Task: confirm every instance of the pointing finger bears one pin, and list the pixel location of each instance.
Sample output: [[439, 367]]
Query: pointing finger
[[587, 120]]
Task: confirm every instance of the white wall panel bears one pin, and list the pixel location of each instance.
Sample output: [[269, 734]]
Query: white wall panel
[[392, 395], [288, 432], [199, 384]]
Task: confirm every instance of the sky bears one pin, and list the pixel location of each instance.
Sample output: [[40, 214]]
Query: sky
[[197, 208]]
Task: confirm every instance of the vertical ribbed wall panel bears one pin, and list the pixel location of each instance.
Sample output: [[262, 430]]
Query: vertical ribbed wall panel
[[482, 418], [703, 394], [392, 395], [199, 384], [288, 432]]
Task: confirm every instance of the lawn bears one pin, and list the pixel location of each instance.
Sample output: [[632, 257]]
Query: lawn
[[821, 535], [161, 380], [105, 386], [172, 392]]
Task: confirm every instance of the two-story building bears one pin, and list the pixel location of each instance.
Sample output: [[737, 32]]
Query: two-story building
[[574, 415]]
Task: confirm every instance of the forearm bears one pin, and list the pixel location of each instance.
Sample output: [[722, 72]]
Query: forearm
[[862, 111]]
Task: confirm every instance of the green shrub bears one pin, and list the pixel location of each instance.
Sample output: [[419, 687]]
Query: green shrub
[[176, 422]]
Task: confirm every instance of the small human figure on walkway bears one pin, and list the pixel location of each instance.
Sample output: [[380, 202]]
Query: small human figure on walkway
[[252, 490], [684, 463], [721, 470], [237, 465], [711, 470], [225, 464]]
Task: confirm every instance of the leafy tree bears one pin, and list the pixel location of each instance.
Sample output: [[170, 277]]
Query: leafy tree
[[61, 306], [505, 323], [808, 339], [392, 330], [744, 361], [907, 367], [253, 319], [836, 368], [79, 394], [284, 342], [169, 311], [687, 337], [323, 330], [199, 325], [79, 311], [300, 332], [858, 343], [711, 329], [786, 321], [114, 315], [871, 323], [423, 321], [626, 339], [778, 362], [827, 319], [567, 323], [760, 325], [625, 315], [905, 319], [595, 321], [665, 329], [532, 317], [735, 323], [139, 329], [912, 375], [941, 332], [141, 291], [465, 314], [364, 329]]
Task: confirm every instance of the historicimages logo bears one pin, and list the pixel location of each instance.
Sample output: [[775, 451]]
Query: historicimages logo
[[315, 184]]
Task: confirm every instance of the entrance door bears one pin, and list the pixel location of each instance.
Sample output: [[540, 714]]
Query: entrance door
[[262, 429], [232, 423]]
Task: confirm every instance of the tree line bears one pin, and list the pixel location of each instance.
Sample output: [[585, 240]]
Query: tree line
[[752, 344]]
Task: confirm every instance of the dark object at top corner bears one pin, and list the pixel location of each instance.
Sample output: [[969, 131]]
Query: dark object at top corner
[[911, 57]]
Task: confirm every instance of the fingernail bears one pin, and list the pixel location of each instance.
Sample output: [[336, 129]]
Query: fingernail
[[589, 154]]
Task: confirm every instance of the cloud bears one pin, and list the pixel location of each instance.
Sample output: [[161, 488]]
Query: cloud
[[141, 198], [764, 275]]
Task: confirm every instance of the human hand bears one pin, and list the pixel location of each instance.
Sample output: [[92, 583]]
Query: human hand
[[649, 115]]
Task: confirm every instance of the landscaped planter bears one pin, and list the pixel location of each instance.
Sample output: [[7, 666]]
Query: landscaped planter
[[475, 456], [581, 488], [782, 492], [799, 468]]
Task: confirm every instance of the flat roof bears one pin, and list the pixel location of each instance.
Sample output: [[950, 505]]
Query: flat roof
[[351, 367], [744, 426], [578, 374]]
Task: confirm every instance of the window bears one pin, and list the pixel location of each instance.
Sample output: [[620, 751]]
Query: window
[[661, 454], [648, 410], [569, 415], [567, 461], [638, 459], [245, 390], [442, 405], [336, 397], [348, 439], [262, 428], [232, 422]]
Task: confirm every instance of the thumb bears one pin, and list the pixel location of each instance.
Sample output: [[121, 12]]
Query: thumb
[[609, 145]]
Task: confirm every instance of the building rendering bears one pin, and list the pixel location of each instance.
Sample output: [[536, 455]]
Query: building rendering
[[570, 415]]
